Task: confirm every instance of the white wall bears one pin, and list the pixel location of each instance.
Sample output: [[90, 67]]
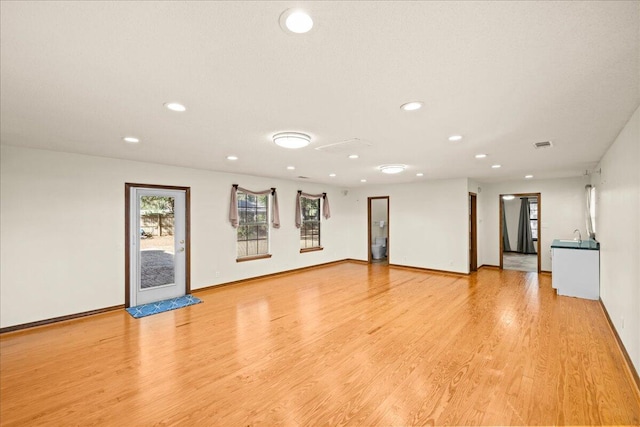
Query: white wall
[[428, 224], [561, 210], [618, 230], [62, 228]]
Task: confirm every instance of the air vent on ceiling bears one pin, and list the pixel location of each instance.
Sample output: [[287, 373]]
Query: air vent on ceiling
[[303, 177], [543, 144], [352, 145]]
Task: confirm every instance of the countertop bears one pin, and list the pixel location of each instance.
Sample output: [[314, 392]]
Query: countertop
[[575, 244]]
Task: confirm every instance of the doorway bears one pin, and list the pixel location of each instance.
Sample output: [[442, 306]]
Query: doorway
[[157, 247], [520, 231], [378, 226], [473, 233]]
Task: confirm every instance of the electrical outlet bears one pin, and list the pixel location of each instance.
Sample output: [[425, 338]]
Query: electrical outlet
[[217, 274]]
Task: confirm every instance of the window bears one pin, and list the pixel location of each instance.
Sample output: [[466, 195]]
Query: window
[[310, 227], [533, 218], [253, 225]]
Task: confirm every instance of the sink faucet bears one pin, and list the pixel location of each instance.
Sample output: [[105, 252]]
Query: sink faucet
[[579, 239]]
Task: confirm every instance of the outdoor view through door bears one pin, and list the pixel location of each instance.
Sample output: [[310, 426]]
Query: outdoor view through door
[[157, 244]]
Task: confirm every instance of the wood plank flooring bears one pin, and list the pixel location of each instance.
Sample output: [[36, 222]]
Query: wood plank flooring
[[346, 344]]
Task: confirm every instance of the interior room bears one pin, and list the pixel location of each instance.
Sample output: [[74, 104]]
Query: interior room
[[242, 213], [519, 232]]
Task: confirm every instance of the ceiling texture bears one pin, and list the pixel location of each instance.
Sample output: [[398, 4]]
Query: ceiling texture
[[79, 76]]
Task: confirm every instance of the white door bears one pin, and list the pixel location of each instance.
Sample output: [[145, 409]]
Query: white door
[[157, 245]]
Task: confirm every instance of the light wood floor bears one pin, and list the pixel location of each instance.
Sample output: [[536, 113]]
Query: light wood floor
[[343, 344]]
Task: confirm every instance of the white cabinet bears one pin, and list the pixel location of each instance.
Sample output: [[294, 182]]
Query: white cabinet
[[576, 272]]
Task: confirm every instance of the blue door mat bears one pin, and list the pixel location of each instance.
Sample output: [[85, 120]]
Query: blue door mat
[[161, 306]]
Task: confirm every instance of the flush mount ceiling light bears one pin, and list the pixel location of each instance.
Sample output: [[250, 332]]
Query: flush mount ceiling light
[[363, 180], [296, 21], [528, 176], [508, 197], [332, 175], [419, 174], [496, 166], [480, 156], [131, 139], [391, 169], [291, 168], [353, 156], [291, 139], [455, 137], [232, 157], [174, 106], [411, 106]]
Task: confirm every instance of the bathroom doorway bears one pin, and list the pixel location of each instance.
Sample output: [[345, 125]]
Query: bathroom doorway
[[520, 232], [378, 226]]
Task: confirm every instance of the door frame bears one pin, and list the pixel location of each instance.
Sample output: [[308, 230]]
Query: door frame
[[500, 215], [369, 199], [127, 234], [473, 232]]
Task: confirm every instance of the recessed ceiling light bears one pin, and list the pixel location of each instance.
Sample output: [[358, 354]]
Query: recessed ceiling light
[[131, 139], [392, 169], [419, 174], [332, 175], [363, 180], [480, 156], [291, 168], [528, 176], [174, 106], [508, 197], [411, 106], [455, 137], [291, 139], [496, 166], [296, 21], [353, 156], [232, 157]]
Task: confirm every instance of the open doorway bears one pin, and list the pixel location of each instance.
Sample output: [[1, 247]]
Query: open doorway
[[520, 233], [473, 233], [378, 213]]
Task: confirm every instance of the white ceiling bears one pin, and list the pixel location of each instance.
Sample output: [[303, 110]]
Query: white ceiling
[[78, 76]]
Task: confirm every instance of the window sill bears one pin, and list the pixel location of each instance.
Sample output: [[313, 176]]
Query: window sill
[[253, 257], [319, 248]]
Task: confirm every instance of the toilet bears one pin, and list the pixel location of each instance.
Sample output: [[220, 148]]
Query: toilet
[[379, 248]]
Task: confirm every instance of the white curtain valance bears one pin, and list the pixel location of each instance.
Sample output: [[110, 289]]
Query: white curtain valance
[[233, 207], [326, 210]]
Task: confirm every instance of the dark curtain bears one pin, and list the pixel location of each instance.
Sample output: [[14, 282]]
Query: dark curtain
[[525, 238], [506, 246]]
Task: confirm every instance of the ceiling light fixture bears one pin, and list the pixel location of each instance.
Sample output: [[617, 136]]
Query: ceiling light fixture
[[419, 174], [353, 156], [174, 106], [508, 197], [455, 137], [296, 21], [480, 156], [528, 176], [291, 168], [232, 157], [363, 180], [392, 169], [411, 106], [332, 175], [291, 139], [131, 139], [496, 166]]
